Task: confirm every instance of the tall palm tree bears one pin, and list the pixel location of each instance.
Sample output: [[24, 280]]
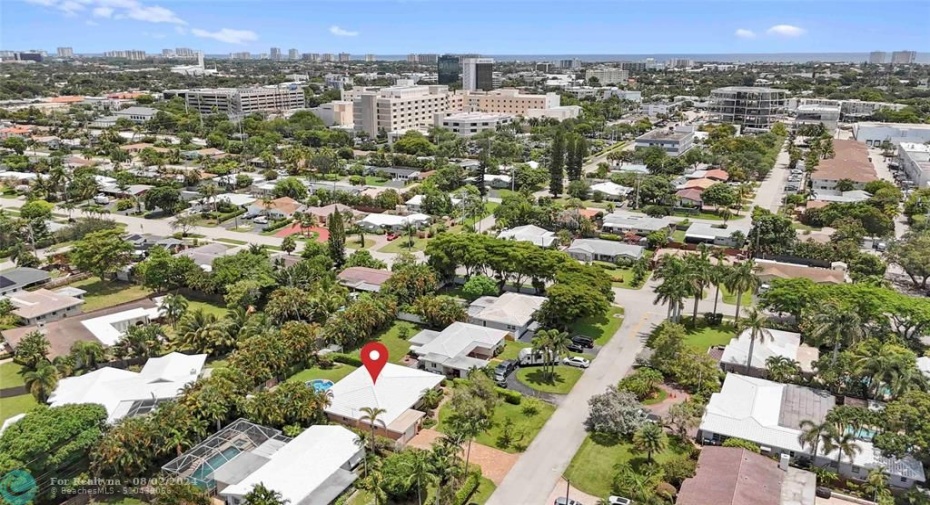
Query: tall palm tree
[[372, 416], [742, 279], [888, 365], [844, 443], [420, 472], [700, 275], [650, 439], [200, 331], [718, 273], [814, 434], [673, 273], [835, 325], [88, 354], [756, 323], [174, 307], [41, 381]]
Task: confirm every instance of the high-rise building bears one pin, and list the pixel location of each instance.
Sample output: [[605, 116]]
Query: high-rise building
[[427, 59], [903, 57], [449, 69], [477, 74], [311, 57], [326, 57], [633, 66], [755, 109], [167, 53], [607, 75], [275, 54], [411, 58], [369, 58], [293, 54], [65, 52], [185, 52], [877, 57], [244, 55], [343, 57]]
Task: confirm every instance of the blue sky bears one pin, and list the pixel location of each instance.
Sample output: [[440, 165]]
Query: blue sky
[[488, 27]]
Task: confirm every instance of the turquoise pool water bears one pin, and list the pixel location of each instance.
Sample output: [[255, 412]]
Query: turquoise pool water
[[320, 384], [201, 475], [863, 433]]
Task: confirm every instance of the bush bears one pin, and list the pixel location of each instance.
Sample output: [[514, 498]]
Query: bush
[[713, 319], [678, 469], [742, 444], [610, 236], [124, 204], [468, 488], [229, 215], [345, 359], [511, 397], [277, 224]]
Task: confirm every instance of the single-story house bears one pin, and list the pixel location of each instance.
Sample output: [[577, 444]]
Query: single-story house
[[284, 207], [716, 234], [458, 349], [856, 195], [415, 203], [689, 198], [593, 249], [237, 199], [204, 255], [133, 190], [313, 467], [20, 278], [380, 222], [767, 271], [633, 168], [736, 476], [125, 393], [530, 233], [42, 305], [611, 190], [700, 184], [770, 415], [621, 223], [773, 343], [498, 181], [394, 173], [512, 312], [323, 213], [398, 391], [715, 174], [363, 278]]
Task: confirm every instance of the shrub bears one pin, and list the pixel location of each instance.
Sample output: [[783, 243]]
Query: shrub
[[124, 204], [468, 488], [324, 361], [713, 319], [678, 469], [610, 236], [511, 397], [277, 224], [345, 359], [742, 444]]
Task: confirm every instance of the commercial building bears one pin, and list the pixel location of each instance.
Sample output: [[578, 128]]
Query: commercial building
[[240, 102], [850, 162], [607, 75], [674, 140], [137, 114], [604, 92], [754, 109], [878, 57], [914, 159], [770, 415], [874, 134], [458, 349], [449, 69], [399, 108], [903, 57], [512, 312], [477, 74], [65, 52], [467, 124], [827, 115], [275, 54], [508, 101], [335, 113]]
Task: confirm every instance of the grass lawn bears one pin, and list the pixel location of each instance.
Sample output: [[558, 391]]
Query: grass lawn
[[592, 469], [374, 180], [600, 328], [485, 490], [207, 307], [13, 405], [563, 381], [10, 375], [353, 243], [396, 346], [728, 297], [704, 337], [103, 294], [512, 349], [400, 244], [528, 418], [678, 236], [623, 278], [659, 397], [335, 374]]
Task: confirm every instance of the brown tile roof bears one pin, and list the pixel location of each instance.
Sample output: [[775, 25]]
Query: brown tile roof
[[692, 194], [356, 275], [30, 304], [67, 99], [286, 205], [816, 204], [701, 184], [788, 271], [732, 476], [851, 161], [717, 174]]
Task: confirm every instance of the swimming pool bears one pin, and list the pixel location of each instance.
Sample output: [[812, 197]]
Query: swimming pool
[[201, 475], [864, 434], [319, 384]]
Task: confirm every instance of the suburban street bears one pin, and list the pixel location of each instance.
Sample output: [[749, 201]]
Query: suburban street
[[770, 191]]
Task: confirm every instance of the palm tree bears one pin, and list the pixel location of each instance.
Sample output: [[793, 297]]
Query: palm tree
[[700, 274], [261, 495], [200, 331], [372, 416], [430, 399], [87, 354], [41, 381], [420, 471], [813, 434], [782, 369], [173, 307], [885, 364], [844, 443], [835, 325], [650, 439], [755, 322], [674, 288], [718, 274], [741, 279]]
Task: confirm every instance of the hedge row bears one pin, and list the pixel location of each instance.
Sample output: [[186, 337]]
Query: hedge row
[[345, 359], [468, 488], [511, 397]]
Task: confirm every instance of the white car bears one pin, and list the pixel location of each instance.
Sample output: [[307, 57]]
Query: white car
[[618, 500], [101, 199], [576, 361], [261, 220]]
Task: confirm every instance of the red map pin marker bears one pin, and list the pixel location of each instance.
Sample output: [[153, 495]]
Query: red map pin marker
[[374, 356]]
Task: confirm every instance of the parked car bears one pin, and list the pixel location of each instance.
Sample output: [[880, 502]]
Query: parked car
[[261, 220], [391, 236], [504, 369], [566, 501], [573, 347], [576, 361], [618, 500], [583, 341], [101, 199]]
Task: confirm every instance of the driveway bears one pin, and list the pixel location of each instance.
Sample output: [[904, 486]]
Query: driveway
[[515, 385], [494, 463]]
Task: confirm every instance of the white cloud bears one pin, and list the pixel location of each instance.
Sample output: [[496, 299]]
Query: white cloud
[[745, 34], [70, 7], [103, 12], [45, 3], [153, 14], [341, 32], [115, 9], [227, 35], [786, 31]]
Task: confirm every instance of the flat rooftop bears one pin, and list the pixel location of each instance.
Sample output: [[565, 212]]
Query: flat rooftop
[[665, 135], [850, 161]]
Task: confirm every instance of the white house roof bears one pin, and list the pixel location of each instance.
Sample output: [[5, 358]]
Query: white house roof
[[308, 469], [237, 199], [378, 220], [107, 329], [856, 195], [529, 233], [457, 341], [708, 231], [513, 309], [769, 414], [645, 223], [398, 389], [773, 343], [415, 200], [611, 189], [605, 247], [117, 390]]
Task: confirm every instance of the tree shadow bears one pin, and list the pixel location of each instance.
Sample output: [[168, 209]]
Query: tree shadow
[[606, 439], [539, 376]]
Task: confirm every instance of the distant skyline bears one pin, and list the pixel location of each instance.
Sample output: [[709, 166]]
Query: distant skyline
[[502, 27]]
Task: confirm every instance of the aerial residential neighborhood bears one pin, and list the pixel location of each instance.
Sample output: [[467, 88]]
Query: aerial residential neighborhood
[[590, 255]]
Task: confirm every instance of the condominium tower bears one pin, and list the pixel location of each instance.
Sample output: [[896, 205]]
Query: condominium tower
[[477, 74], [65, 52], [275, 54], [754, 109], [903, 57], [877, 57], [293, 54]]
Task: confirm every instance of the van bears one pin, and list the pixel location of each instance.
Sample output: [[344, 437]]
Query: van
[[527, 357]]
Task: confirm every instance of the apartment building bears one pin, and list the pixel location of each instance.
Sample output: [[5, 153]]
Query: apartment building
[[293, 54], [903, 57], [607, 75], [574, 64], [508, 101], [674, 141], [131, 54], [914, 159], [754, 109], [274, 54], [850, 162], [369, 58], [477, 74], [65, 52], [242, 55], [344, 57], [239, 102], [878, 57], [466, 124], [399, 108]]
